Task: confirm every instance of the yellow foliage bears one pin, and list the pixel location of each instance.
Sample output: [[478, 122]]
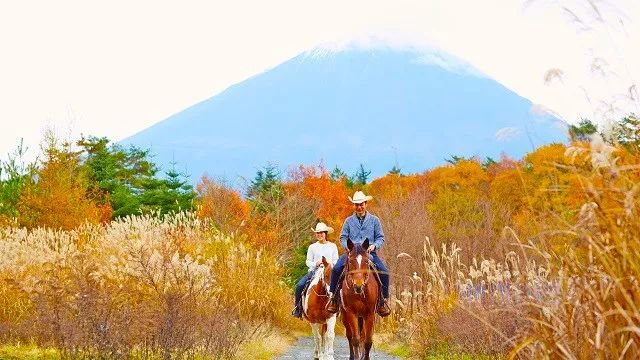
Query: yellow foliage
[[167, 286], [394, 186], [466, 176]]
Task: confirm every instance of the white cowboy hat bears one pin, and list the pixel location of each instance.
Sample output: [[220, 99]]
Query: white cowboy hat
[[320, 227], [359, 197]]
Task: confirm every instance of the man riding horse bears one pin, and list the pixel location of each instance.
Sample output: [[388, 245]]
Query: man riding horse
[[358, 227]]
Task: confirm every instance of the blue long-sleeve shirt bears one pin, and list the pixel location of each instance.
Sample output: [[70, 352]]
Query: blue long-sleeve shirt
[[370, 229]]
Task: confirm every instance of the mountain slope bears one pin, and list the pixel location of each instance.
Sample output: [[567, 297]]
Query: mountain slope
[[372, 107]]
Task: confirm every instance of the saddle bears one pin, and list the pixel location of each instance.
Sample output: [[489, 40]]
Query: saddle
[[304, 294], [305, 289]]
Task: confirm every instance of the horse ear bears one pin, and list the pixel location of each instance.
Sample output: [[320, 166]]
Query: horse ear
[[324, 261], [349, 244], [365, 244]]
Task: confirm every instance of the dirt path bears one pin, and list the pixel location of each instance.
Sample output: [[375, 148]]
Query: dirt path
[[303, 349]]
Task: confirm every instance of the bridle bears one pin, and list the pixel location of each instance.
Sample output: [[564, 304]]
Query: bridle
[[324, 283], [349, 278]]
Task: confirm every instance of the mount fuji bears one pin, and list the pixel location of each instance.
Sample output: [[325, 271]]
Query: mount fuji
[[380, 108]]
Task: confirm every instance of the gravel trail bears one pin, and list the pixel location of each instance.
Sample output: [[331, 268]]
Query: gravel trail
[[303, 349]]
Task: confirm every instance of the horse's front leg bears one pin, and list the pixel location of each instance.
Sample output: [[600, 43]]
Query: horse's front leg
[[350, 322], [317, 341], [329, 337], [367, 334]]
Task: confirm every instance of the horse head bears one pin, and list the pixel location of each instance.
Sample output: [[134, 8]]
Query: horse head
[[322, 275], [327, 270], [357, 267]]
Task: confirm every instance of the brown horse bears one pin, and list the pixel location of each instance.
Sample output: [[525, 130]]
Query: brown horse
[[322, 322], [359, 296]]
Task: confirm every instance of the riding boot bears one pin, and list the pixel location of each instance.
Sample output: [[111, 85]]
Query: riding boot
[[383, 308], [332, 305], [297, 311]]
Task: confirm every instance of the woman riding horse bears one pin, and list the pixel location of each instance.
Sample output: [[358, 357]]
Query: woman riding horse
[[314, 304], [315, 252]]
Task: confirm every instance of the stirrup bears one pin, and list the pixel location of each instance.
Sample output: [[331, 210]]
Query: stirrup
[[297, 312], [332, 304], [384, 309]]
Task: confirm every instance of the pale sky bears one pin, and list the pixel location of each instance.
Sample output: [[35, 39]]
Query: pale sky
[[114, 68]]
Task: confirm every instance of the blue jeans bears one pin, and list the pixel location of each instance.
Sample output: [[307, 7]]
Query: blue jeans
[[382, 270], [300, 286]]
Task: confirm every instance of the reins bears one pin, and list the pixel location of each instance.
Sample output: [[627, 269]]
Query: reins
[[348, 277], [321, 280], [315, 292]]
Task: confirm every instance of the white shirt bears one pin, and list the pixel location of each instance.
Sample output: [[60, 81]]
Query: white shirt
[[317, 250]]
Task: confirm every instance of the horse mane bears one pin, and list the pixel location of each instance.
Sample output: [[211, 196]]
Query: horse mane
[[317, 274]]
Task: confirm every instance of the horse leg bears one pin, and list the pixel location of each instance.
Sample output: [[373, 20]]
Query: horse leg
[[329, 337], [323, 342], [362, 333], [367, 334], [350, 322], [317, 339]]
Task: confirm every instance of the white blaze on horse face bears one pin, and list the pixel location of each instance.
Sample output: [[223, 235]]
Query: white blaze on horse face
[[359, 259]]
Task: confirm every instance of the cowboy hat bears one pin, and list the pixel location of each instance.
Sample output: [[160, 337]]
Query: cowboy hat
[[359, 197], [320, 227]]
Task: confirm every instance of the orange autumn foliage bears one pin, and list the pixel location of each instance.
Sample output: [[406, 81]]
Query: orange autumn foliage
[[229, 212], [220, 204], [314, 182], [59, 196]]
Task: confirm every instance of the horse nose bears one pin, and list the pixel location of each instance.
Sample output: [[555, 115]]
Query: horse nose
[[358, 288]]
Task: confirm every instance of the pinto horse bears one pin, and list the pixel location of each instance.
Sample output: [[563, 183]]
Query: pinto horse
[[359, 297], [322, 322]]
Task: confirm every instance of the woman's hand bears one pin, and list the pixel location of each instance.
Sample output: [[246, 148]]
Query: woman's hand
[[371, 248]]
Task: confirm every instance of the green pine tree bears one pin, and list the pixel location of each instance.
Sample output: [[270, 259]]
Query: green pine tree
[[582, 131], [129, 180], [362, 176], [266, 190], [627, 132], [488, 162], [395, 170], [15, 173], [339, 175]]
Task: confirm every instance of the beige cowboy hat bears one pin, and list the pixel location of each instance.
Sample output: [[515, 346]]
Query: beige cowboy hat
[[320, 227], [359, 197]]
